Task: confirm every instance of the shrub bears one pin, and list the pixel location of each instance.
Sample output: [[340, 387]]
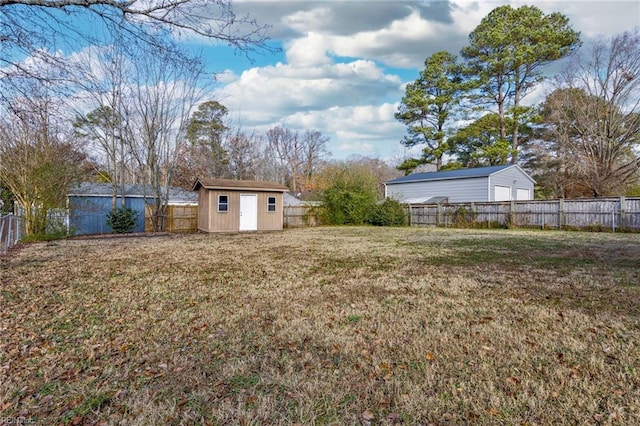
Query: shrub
[[122, 220], [388, 213], [349, 196], [463, 218]]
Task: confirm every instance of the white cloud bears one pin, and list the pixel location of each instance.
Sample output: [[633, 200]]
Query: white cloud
[[271, 92], [308, 51], [226, 77], [335, 77]]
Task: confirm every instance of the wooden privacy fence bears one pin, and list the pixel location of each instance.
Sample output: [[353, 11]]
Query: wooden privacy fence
[[589, 213], [176, 219], [297, 216]]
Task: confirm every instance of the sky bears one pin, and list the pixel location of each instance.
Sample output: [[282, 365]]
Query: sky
[[343, 64]]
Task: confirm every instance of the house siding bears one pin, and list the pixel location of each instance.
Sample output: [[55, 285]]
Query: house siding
[[88, 214], [458, 190], [514, 178], [461, 189]]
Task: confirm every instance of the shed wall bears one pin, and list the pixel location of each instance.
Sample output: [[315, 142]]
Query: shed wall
[[211, 220], [458, 190], [203, 210]]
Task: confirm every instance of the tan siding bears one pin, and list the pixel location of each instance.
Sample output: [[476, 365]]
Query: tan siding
[[270, 221], [223, 221], [203, 210], [230, 221]]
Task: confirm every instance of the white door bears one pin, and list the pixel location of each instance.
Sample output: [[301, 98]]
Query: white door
[[502, 193], [248, 212]]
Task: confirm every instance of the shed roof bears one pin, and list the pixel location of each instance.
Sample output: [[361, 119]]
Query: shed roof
[[247, 185], [92, 189], [454, 174]]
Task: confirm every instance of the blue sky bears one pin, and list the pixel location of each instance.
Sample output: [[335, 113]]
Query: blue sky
[[343, 64]]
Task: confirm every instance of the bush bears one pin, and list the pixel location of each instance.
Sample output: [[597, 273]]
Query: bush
[[349, 196], [463, 218], [122, 220], [388, 213], [346, 206]]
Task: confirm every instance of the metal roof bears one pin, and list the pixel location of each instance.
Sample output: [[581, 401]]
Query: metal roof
[[247, 185], [452, 174], [91, 189]]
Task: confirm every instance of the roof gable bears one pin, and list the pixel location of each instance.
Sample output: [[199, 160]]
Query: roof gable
[[238, 185], [478, 172]]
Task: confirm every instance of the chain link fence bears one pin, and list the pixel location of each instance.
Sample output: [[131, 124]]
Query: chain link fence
[[11, 231]]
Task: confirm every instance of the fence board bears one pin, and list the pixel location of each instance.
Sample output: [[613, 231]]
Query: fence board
[[298, 216], [606, 213], [179, 219]]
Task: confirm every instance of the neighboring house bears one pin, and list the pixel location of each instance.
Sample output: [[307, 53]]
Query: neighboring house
[[495, 183], [89, 203], [290, 200], [226, 205], [303, 198]]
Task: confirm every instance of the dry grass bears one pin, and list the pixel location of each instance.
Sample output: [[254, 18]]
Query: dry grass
[[324, 326]]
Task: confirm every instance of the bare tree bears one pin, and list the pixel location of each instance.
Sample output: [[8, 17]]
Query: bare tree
[[38, 29], [299, 154], [102, 73], [165, 94], [286, 146], [314, 152], [594, 117], [244, 154]]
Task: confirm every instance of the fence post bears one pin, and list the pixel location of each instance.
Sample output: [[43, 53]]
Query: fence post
[[560, 213], [623, 203], [438, 214], [512, 213], [2, 248]]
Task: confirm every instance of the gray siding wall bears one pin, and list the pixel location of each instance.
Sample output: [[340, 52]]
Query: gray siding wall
[[458, 190], [506, 178]]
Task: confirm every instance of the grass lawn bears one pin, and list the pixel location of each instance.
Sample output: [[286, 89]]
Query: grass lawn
[[326, 325]]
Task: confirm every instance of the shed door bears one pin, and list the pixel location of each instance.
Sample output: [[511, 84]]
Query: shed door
[[248, 212], [502, 193]]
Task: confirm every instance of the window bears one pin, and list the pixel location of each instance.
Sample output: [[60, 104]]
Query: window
[[271, 204], [223, 203]]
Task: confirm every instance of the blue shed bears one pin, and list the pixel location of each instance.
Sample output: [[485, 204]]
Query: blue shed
[[89, 203], [494, 183]]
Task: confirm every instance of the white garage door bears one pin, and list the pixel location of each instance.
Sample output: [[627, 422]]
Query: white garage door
[[522, 194], [502, 193]]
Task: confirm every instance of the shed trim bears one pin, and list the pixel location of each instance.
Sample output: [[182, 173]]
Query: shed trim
[[238, 185]]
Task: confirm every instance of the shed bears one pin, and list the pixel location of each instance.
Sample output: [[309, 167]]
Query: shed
[[89, 203], [494, 183], [226, 205]]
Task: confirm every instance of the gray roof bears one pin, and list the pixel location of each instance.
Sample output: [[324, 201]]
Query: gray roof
[[240, 185], [451, 174], [91, 189], [290, 200]]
